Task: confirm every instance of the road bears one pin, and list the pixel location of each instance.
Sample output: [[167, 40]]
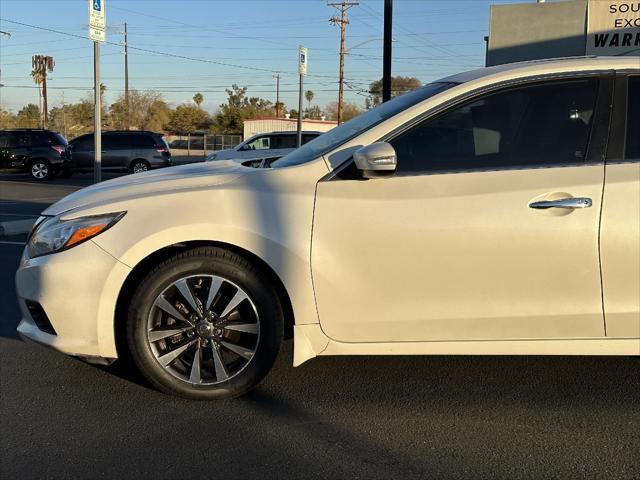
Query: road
[[361, 417]]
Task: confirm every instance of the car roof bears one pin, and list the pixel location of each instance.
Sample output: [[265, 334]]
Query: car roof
[[545, 66]]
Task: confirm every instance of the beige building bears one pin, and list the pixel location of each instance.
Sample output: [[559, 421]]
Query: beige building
[[565, 28], [265, 125]]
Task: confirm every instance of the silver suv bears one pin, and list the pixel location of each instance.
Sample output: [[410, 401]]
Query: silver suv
[[263, 148]]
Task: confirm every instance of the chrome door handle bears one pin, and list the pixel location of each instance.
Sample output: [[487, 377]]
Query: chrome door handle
[[577, 202]]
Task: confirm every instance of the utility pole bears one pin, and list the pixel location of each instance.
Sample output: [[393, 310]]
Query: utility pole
[[41, 65], [126, 75], [277, 77], [386, 54], [343, 21]]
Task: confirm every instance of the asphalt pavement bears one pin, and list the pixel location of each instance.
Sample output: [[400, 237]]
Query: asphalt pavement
[[342, 417]]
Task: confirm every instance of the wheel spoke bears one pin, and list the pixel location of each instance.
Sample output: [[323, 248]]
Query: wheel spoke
[[237, 349], [167, 358], [184, 289], [164, 305], [234, 302], [243, 327], [195, 377], [221, 371], [156, 335], [216, 283]]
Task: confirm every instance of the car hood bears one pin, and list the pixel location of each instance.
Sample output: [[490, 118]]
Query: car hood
[[182, 178]]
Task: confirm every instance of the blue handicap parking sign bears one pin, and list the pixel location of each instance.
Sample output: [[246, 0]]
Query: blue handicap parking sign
[[97, 5]]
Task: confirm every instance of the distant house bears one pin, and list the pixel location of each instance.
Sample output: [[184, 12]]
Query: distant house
[[265, 125]]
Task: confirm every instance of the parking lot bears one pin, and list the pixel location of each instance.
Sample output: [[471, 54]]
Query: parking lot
[[360, 417]]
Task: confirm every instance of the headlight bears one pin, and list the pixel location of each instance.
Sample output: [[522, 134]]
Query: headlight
[[211, 156], [54, 235]]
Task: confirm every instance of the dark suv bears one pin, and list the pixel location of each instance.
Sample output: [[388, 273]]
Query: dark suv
[[135, 152], [42, 153]]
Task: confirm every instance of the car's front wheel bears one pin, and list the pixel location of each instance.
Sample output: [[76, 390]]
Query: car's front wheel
[[205, 324], [40, 170]]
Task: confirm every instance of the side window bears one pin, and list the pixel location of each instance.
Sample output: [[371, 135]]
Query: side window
[[285, 141], [115, 142], [4, 139], [632, 149], [83, 144], [308, 137], [19, 139], [41, 139], [260, 143], [142, 141], [524, 126]]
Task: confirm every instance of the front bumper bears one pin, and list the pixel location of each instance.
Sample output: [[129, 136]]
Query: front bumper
[[77, 290]]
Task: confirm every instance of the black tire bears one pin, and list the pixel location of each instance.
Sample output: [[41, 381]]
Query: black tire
[[232, 267], [40, 169], [139, 166]]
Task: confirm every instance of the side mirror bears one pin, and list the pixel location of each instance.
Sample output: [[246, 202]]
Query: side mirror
[[376, 160]]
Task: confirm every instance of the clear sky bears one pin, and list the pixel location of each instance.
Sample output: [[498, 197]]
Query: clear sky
[[234, 41]]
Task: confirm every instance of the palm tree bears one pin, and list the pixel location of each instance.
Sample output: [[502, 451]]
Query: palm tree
[[37, 79], [309, 96], [41, 65], [198, 98]]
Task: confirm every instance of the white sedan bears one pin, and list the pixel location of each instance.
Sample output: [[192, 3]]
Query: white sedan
[[470, 216]]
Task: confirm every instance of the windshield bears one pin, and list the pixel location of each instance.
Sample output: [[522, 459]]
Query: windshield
[[354, 127]]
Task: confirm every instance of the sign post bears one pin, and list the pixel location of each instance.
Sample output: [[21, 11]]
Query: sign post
[[302, 70], [97, 26]]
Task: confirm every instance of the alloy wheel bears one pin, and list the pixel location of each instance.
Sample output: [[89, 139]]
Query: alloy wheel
[[140, 167], [39, 170], [203, 329]]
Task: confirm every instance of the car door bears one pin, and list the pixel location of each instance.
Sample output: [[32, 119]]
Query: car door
[[19, 148], [82, 152], [459, 244], [116, 150], [620, 231]]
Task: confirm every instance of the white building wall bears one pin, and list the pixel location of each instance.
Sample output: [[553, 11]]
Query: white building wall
[[265, 125]]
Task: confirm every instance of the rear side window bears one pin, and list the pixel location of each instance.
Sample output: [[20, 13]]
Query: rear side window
[[284, 141], [308, 137], [632, 150], [4, 139], [115, 142], [19, 139], [523, 126], [142, 141]]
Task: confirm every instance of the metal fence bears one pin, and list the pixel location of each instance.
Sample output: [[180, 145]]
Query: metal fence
[[200, 145]]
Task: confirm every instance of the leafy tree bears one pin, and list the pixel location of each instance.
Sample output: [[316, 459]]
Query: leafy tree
[[137, 116], [198, 98], [309, 96], [313, 113], [349, 110], [28, 117], [158, 116], [239, 108], [399, 85], [7, 119], [187, 119]]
